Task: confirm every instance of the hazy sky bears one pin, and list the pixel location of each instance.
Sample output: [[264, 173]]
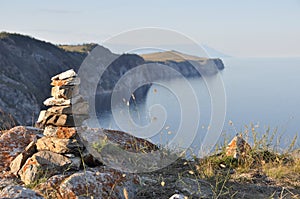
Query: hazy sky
[[249, 28]]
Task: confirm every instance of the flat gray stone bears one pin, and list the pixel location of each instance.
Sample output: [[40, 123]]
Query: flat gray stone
[[65, 75], [61, 102], [76, 109]]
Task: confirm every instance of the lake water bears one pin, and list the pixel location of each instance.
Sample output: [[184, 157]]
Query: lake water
[[263, 92]]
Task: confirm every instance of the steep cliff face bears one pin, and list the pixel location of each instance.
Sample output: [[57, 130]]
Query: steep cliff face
[[185, 64], [27, 64]]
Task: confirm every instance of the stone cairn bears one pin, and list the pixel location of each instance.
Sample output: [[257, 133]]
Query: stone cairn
[[59, 148], [66, 106]]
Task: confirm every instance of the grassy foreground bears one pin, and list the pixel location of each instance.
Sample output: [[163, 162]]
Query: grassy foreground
[[263, 172]]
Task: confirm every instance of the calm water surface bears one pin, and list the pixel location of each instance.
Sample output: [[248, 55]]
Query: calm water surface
[[264, 92]]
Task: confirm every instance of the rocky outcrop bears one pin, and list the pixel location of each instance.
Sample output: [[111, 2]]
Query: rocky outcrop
[[59, 170]]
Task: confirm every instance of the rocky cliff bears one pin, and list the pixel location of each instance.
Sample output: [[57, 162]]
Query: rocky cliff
[[26, 65]]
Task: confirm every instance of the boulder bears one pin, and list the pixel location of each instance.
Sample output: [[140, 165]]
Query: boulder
[[13, 142], [16, 191], [238, 147], [60, 132], [65, 75], [98, 182], [43, 164], [123, 151], [58, 145], [65, 92]]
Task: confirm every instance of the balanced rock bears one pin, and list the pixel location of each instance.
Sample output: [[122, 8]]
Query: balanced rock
[[63, 119], [77, 109], [61, 101], [66, 82], [60, 132], [65, 75], [58, 145], [65, 92]]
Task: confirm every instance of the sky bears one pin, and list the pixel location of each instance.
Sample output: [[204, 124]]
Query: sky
[[249, 28]]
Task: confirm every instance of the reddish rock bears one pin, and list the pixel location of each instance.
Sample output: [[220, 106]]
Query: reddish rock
[[238, 147], [58, 145], [60, 132], [13, 142], [66, 82], [19, 161]]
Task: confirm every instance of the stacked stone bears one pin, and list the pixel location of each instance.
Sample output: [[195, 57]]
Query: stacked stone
[[66, 107], [59, 149]]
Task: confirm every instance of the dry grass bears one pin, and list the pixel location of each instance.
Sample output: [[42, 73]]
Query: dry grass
[[170, 56], [284, 173], [81, 48]]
